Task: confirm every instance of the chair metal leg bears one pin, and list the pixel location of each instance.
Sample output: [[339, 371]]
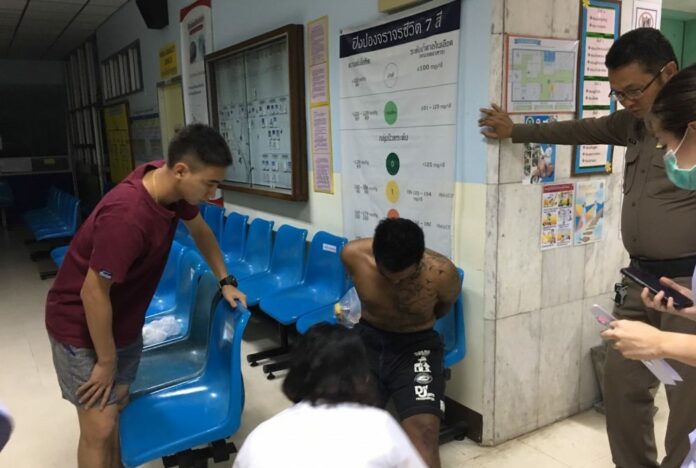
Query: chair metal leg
[[38, 255], [269, 369], [284, 348], [450, 432], [48, 274], [451, 428], [219, 451]]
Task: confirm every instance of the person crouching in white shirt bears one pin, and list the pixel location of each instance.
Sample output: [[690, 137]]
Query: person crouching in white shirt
[[334, 421]]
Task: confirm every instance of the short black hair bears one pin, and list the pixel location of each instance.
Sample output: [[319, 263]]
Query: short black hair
[[202, 144], [675, 105], [646, 46], [329, 366], [397, 244]]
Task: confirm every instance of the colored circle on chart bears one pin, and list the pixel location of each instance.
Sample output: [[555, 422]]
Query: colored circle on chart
[[391, 113], [392, 191], [393, 214], [393, 163]]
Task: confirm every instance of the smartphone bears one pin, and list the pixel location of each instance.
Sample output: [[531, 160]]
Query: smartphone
[[653, 284]]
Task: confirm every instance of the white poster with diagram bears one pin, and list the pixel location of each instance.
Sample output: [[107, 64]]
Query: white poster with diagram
[[399, 122], [541, 74], [557, 216]]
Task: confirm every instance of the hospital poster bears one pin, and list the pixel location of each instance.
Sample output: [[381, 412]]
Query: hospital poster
[[589, 211], [539, 163], [399, 122], [557, 216], [196, 41]]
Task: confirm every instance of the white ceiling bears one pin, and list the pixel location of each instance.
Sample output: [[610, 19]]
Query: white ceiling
[[49, 29], [679, 5]]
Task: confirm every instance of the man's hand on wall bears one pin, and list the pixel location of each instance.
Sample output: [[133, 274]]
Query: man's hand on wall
[[495, 123]]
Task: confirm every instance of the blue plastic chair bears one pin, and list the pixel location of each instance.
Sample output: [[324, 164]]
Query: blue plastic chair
[[214, 216], [191, 267], [64, 224], [287, 266], [322, 285], [257, 252], [164, 298], [169, 363], [451, 328], [182, 234], [52, 203], [55, 213], [203, 410], [58, 254], [233, 238]]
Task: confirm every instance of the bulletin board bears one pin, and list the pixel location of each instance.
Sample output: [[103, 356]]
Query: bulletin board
[[256, 96], [600, 22], [118, 141]]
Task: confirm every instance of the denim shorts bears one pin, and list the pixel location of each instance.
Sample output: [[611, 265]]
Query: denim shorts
[[74, 367]]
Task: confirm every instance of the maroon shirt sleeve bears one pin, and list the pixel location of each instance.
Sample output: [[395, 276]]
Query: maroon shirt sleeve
[[186, 211], [117, 243]]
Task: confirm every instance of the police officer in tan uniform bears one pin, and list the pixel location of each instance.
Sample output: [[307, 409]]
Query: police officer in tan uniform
[[658, 225]]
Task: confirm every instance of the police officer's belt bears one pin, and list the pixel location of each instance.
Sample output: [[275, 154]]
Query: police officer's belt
[[674, 268]]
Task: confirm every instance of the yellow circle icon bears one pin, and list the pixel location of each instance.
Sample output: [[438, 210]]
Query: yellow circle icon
[[392, 191]]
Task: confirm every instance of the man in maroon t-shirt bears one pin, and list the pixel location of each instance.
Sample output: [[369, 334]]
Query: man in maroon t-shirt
[[96, 308]]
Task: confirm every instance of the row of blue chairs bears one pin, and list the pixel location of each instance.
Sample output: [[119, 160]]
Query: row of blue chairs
[[264, 265], [57, 220], [297, 294]]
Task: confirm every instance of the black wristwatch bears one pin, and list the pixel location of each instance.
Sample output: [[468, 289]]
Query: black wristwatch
[[228, 280]]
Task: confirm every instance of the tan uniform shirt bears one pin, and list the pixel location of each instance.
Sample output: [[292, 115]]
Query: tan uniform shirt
[[658, 220]]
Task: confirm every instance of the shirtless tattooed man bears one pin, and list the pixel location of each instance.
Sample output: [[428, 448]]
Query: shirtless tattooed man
[[403, 290]]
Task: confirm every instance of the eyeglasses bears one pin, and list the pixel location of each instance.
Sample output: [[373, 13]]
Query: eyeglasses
[[634, 94]]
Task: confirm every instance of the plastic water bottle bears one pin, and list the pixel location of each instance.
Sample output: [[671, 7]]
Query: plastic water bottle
[[347, 311]]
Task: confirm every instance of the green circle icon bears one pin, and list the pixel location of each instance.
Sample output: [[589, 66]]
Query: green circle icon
[[390, 112], [392, 163]]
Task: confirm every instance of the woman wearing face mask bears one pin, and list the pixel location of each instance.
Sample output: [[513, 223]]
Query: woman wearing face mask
[[673, 120]]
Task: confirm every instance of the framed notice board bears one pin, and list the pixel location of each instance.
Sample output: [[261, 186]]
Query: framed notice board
[[600, 22], [257, 103], [118, 141]]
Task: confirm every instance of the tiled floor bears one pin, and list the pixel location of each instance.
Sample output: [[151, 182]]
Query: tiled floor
[[46, 426]]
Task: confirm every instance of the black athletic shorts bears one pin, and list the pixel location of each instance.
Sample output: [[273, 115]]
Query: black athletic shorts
[[409, 368]]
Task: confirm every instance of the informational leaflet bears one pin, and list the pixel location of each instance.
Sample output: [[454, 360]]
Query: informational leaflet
[[146, 138], [398, 122], [539, 158], [320, 106], [541, 74], [589, 211], [118, 141], [196, 41], [557, 216]]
